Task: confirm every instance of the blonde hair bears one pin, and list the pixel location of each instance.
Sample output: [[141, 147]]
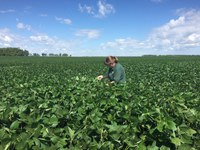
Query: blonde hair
[[110, 59]]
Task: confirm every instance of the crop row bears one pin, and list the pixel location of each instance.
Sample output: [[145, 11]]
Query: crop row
[[58, 104]]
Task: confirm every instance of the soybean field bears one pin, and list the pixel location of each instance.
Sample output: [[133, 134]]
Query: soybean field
[[56, 103]]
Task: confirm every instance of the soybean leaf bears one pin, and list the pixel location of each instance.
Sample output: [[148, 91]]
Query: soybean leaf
[[15, 125]]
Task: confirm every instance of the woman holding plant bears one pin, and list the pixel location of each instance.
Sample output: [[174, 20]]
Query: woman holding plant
[[115, 73]]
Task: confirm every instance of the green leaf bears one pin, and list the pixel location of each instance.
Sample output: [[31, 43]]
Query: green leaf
[[2, 132], [186, 139], [164, 148], [142, 146], [176, 141], [24, 136], [116, 128], [160, 126], [54, 121], [71, 133], [171, 125], [21, 145], [129, 142], [55, 139], [14, 125], [7, 146], [115, 136], [185, 147], [107, 145], [62, 142], [191, 132], [37, 142], [153, 146]]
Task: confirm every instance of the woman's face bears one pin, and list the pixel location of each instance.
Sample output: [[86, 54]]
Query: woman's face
[[111, 64]]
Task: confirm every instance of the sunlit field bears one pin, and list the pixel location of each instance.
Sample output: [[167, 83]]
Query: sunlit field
[[57, 103]]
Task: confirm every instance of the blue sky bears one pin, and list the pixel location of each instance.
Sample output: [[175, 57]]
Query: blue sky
[[101, 27]]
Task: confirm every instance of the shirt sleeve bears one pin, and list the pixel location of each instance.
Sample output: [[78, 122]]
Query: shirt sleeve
[[117, 74]]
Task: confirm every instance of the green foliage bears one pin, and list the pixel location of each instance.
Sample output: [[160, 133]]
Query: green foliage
[[13, 52], [56, 103]]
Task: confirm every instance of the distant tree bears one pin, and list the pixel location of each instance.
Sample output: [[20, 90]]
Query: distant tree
[[26, 53], [149, 55], [54, 55], [51, 54], [65, 55], [10, 51], [44, 54], [36, 54]]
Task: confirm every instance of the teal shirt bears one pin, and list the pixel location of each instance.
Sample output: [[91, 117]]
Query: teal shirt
[[117, 74]]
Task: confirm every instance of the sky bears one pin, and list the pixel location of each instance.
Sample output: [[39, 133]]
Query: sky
[[101, 27]]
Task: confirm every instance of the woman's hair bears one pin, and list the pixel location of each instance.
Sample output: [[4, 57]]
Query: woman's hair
[[110, 59]]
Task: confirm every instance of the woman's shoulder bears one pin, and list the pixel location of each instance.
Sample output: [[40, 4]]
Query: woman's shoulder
[[119, 65]]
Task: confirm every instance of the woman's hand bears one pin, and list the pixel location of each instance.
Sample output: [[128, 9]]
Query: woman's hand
[[100, 77]]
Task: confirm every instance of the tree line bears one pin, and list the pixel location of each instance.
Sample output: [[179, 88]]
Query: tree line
[[50, 55], [10, 51]]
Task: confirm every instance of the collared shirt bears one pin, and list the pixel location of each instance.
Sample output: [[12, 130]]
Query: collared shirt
[[116, 74]]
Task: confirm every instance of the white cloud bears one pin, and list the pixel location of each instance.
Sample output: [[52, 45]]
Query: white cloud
[[7, 11], [126, 47], [89, 33], [180, 33], [38, 43], [43, 15], [193, 37], [103, 9], [64, 21], [21, 25], [174, 23], [8, 39], [178, 36], [43, 39], [5, 36], [87, 9], [124, 44], [6, 45]]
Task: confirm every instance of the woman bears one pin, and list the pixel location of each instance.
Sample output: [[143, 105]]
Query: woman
[[116, 72]]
